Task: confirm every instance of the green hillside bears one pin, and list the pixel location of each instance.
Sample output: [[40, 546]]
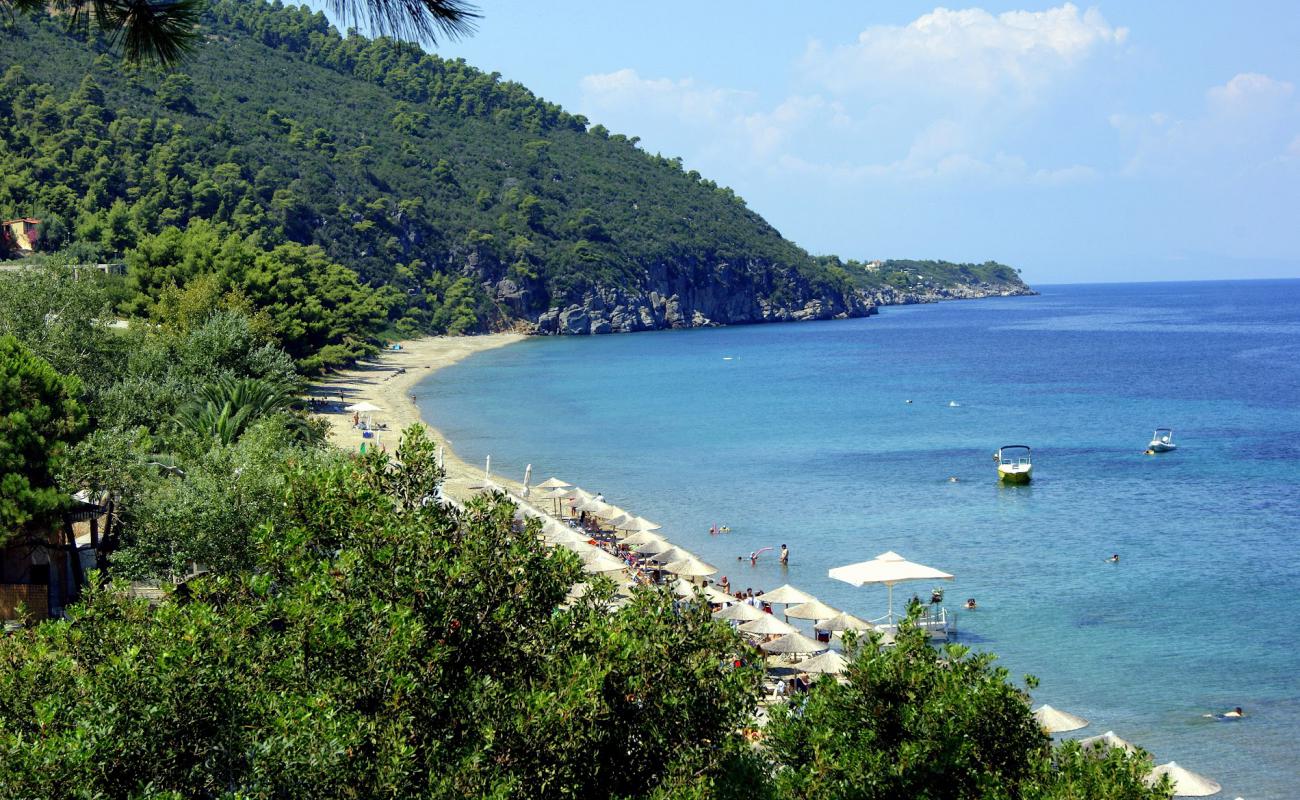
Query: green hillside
[[461, 201]]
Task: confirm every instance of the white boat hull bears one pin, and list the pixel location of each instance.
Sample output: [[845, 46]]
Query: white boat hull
[[1015, 473]]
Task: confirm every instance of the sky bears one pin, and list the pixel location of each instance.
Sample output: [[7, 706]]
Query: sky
[[1113, 142]]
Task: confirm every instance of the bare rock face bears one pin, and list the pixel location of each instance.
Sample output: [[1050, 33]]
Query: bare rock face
[[575, 321], [697, 297]]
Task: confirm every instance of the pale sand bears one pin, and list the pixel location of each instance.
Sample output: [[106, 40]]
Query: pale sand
[[377, 381]]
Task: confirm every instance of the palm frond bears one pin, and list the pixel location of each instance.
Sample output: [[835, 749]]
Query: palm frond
[[424, 21], [222, 411]]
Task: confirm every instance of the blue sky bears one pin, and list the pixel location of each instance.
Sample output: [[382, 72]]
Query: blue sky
[[1133, 141]]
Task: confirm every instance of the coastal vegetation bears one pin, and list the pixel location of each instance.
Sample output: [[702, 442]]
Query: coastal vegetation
[[324, 627]]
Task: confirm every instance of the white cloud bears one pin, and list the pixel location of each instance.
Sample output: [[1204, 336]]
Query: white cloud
[[969, 53], [685, 99], [932, 100], [1249, 93], [1246, 124]]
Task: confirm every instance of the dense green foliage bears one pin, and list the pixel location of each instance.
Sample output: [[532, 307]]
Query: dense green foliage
[[39, 418], [376, 646], [460, 201], [185, 494], [909, 275], [911, 720]]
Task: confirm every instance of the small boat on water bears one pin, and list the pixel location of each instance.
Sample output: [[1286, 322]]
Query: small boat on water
[[1014, 463], [1162, 441]]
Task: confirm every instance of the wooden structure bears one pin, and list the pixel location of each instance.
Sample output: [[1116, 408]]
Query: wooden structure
[[43, 572]]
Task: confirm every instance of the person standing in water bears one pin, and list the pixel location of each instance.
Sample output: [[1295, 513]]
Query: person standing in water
[[785, 555]]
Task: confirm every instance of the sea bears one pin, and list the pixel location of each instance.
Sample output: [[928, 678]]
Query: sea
[[846, 439]]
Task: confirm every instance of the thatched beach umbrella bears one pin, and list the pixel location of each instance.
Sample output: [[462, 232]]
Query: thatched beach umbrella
[[671, 554], [611, 512], [556, 533], [655, 545], [813, 609], [793, 643], [685, 589], [616, 522], [1107, 740], [740, 612], [557, 494], [553, 483], [845, 621], [639, 525], [596, 560], [1186, 783], [787, 594], [828, 663], [691, 567], [1054, 720], [888, 568], [768, 625], [642, 537], [594, 506]]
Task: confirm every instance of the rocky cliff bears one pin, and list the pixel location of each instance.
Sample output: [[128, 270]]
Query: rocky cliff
[[683, 304], [731, 297]]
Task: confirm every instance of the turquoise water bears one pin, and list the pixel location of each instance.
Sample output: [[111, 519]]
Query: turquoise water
[[804, 437]]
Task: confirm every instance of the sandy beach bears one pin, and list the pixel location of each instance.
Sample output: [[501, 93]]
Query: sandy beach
[[389, 380]]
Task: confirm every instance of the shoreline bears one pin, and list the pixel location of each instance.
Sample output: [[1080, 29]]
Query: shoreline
[[388, 380]]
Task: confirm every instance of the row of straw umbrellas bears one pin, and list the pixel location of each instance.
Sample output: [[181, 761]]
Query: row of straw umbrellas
[[778, 636], [1186, 783]]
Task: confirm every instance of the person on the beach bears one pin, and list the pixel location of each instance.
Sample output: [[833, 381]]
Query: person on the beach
[[1114, 559], [725, 584], [785, 555], [600, 497]]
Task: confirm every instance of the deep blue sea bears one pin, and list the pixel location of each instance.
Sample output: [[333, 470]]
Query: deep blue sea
[[804, 437]]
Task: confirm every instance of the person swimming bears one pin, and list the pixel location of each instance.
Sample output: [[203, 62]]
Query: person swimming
[[1235, 713], [970, 603], [1114, 559]]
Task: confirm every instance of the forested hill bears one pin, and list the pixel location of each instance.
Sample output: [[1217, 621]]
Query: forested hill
[[464, 201]]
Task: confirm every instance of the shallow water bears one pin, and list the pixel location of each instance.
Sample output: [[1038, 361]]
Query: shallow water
[[804, 437]]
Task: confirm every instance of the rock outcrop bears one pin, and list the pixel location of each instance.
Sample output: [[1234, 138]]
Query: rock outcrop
[[721, 298]]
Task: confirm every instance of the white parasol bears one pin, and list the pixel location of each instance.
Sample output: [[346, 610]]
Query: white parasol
[[888, 568]]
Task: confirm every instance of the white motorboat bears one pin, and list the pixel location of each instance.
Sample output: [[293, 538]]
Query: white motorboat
[[1162, 441], [1014, 463]]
